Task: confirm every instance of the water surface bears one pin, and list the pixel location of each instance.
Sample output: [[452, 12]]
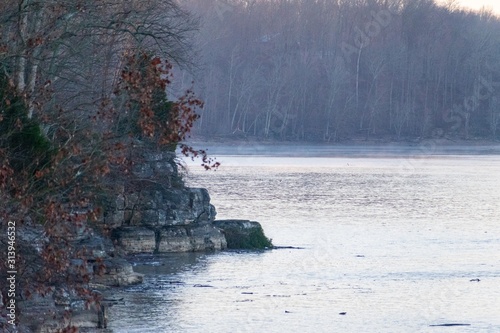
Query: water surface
[[397, 244]]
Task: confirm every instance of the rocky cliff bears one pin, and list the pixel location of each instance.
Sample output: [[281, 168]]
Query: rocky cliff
[[146, 211], [46, 311], [153, 212]]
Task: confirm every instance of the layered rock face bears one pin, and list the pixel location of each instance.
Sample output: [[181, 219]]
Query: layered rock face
[[45, 312], [153, 212]]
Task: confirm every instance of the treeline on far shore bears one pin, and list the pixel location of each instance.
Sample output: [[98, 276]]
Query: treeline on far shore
[[330, 70]]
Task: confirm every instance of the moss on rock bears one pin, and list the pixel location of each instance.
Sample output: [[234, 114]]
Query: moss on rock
[[242, 234]]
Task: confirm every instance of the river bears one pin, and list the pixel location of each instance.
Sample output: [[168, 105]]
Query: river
[[389, 243]]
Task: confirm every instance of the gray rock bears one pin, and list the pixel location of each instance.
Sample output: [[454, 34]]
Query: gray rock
[[240, 224], [174, 239], [120, 201], [191, 239], [115, 219], [206, 237], [143, 171], [135, 239], [118, 272], [61, 297], [183, 238], [153, 212]]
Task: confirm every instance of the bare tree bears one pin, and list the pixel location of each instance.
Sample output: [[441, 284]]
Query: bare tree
[[406, 65]]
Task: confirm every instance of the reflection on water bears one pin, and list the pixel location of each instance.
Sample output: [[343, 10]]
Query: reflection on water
[[396, 244]]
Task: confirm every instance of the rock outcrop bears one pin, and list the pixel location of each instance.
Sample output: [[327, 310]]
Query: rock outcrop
[[150, 211], [153, 212], [45, 312]]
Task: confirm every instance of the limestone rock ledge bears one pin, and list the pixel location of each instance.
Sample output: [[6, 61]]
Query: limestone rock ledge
[[118, 273], [152, 211], [156, 219], [176, 238]]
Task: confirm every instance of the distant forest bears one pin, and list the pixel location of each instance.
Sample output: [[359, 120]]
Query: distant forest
[[334, 70]]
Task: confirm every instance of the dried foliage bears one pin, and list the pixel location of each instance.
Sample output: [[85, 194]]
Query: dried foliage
[[148, 114], [65, 132], [48, 187]]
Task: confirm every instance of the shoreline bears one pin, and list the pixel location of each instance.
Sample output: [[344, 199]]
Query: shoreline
[[250, 140], [352, 148]]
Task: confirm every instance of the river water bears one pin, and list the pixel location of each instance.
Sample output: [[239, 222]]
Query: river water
[[388, 244]]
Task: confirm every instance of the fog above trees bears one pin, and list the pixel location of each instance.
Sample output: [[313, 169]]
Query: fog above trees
[[333, 70]]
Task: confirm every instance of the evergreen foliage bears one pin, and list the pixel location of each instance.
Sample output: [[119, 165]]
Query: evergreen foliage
[[21, 137]]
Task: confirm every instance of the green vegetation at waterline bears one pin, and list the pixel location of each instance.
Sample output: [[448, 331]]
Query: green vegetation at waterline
[[249, 239]]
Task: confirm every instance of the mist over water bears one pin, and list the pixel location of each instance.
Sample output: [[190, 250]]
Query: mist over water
[[407, 151], [397, 243]]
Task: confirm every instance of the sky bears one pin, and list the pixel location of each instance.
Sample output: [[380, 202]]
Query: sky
[[478, 4]]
